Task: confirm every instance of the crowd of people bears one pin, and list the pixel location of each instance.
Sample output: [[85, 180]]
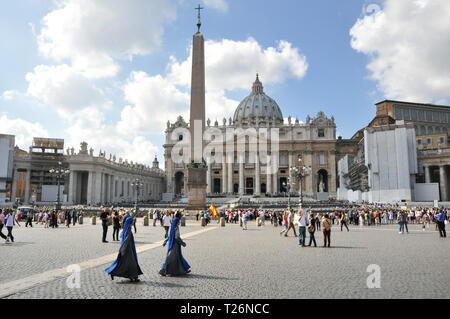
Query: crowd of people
[[309, 222]]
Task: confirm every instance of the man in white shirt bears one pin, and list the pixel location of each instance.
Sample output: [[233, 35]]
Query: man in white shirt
[[155, 217], [167, 221], [10, 220], [301, 228]]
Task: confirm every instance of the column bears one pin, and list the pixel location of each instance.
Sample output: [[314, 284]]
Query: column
[[208, 178], [111, 189], [230, 175], [241, 177], [293, 181], [275, 173], [89, 188], [97, 189], [224, 175], [27, 187], [257, 175], [269, 180], [427, 173], [14, 186], [443, 183], [103, 188], [185, 184]]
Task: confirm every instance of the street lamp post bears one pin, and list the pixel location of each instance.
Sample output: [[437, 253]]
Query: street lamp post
[[137, 185], [288, 187], [301, 172], [59, 172]]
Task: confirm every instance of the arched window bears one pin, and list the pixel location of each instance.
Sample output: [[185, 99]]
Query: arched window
[[430, 130]]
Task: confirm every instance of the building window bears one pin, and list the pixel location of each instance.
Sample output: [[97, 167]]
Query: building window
[[429, 141], [414, 115], [406, 115], [283, 159], [428, 116], [398, 113], [430, 130], [419, 142], [180, 137], [435, 116], [441, 140], [322, 159], [423, 130], [421, 115], [321, 132], [443, 117]]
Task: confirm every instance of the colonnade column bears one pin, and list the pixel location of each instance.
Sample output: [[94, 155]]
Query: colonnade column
[[90, 185]]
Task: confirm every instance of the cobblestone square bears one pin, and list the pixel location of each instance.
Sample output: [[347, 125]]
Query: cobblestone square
[[231, 263]]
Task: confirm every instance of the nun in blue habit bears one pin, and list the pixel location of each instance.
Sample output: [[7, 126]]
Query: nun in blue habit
[[175, 264], [126, 264]]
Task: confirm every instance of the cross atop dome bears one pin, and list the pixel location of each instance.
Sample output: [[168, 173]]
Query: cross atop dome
[[257, 86]]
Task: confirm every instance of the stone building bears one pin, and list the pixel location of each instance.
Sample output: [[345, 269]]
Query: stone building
[[247, 172], [93, 180], [432, 125]]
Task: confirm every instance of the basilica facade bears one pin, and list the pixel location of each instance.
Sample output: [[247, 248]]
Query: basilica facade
[[246, 168]]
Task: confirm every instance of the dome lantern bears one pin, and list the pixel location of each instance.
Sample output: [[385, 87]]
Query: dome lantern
[[258, 107]]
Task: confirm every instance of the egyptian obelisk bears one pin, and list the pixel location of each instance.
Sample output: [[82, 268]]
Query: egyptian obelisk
[[197, 167]]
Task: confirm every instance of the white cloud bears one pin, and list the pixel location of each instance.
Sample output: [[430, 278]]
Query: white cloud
[[10, 95], [233, 64], [73, 96], [229, 65], [221, 5], [66, 90], [23, 130], [94, 33], [154, 101], [122, 143], [408, 43]]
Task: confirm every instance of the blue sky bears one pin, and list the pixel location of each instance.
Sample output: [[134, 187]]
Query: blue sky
[[341, 58]]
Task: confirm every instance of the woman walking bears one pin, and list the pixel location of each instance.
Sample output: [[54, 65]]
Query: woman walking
[[174, 264], [285, 223], [126, 265], [326, 225]]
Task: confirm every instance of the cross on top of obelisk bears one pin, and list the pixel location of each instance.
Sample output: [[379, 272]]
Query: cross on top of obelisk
[[199, 23]]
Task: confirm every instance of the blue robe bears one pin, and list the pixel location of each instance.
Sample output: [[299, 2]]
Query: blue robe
[[126, 264], [174, 264]]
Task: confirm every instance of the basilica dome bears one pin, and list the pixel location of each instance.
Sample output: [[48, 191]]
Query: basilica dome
[[258, 108]]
